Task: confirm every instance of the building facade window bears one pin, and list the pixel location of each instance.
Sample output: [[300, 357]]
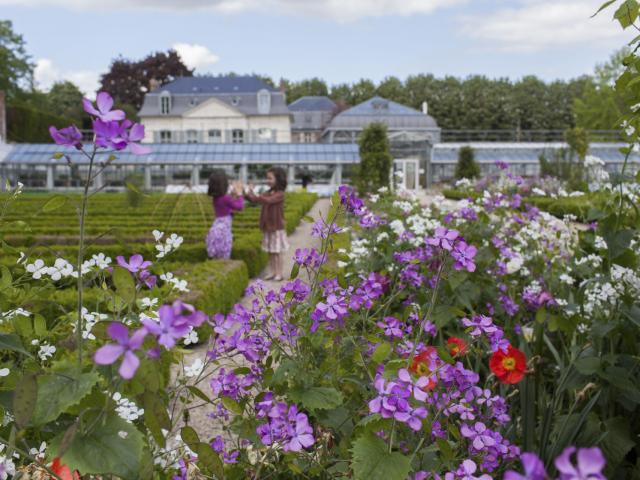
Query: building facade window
[[165, 136], [264, 102], [165, 103], [215, 136], [192, 136], [237, 136], [264, 135], [307, 137]]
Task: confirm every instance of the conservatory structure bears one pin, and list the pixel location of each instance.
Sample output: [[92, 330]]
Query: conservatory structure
[[189, 165]]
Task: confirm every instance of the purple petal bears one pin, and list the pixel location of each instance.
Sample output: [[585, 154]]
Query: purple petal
[[129, 365], [122, 262], [139, 149], [108, 354], [89, 108], [590, 461], [104, 102], [135, 261], [114, 115], [118, 332], [137, 132], [563, 462], [152, 327], [137, 338]]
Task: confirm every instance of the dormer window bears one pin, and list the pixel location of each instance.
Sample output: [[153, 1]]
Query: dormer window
[[264, 102], [165, 103], [235, 100]]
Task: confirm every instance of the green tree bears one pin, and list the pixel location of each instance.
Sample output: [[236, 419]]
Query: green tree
[[16, 67], [375, 159], [393, 89], [309, 87], [578, 141], [466, 166], [65, 99]]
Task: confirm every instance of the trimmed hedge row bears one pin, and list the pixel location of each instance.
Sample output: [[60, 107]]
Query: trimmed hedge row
[[215, 286]]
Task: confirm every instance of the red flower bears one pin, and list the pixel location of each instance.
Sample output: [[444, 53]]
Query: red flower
[[63, 471], [420, 366], [508, 367], [457, 346]]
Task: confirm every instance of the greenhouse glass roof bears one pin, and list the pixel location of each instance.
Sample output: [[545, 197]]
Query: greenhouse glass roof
[[193, 153]]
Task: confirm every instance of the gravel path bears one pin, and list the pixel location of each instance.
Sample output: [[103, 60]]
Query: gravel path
[[206, 427]]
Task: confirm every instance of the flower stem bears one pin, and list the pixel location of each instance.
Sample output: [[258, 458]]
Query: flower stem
[[83, 214]]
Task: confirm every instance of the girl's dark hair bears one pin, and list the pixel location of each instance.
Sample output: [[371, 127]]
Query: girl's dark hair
[[281, 178], [218, 184]]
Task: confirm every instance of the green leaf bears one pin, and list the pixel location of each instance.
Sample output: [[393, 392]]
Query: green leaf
[[54, 203], [113, 446], [5, 278], [124, 283], [308, 219], [627, 13], [156, 417], [25, 397], [209, 459], [317, 398], [618, 441], [371, 460], [10, 341], [199, 393], [587, 365], [603, 6], [231, 405], [189, 436], [381, 352], [56, 393], [295, 270]]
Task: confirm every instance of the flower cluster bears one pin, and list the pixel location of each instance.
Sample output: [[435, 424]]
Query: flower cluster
[[285, 426], [139, 267]]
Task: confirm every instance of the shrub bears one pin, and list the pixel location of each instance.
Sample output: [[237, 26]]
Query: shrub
[[26, 125], [466, 166], [375, 159]]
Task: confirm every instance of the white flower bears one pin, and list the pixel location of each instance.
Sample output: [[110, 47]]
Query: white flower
[[167, 277], [195, 369], [149, 302], [39, 452], [37, 269], [566, 278], [4, 372], [122, 434], [35, 341], [582, 328], [383, 190], [600, 243], [22, 257], [7, 468], [46, 351], [514, 264], [61, 269], [126, 409], [191, 338], [341, 264], [101, 260], [14, 313], [527, 332], [157, 235], [538, 191], [373, 198]]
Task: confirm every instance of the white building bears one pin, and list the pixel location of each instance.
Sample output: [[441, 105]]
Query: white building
[[206, 109]]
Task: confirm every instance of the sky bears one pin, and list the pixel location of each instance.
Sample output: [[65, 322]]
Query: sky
[[337, 40]]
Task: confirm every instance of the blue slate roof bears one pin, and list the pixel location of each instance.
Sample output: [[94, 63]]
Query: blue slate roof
[[188, 153], [312, 104], [381, 106], [210, 84]]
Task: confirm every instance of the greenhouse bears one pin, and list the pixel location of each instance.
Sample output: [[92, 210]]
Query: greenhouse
[[36, 167]]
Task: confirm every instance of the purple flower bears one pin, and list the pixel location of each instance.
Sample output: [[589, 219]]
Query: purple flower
[[353, 203], [392, 327], [136, 263], [502, 165], [324, 230], [590, 463], [148, 279], [308, 257], [532, 466], [171, 326], [332, 310], [467, 470], [120, 135], [104, 102], [70, 136], [480, 324], [464, 254], [125, 347], [443, 238], [479, 435], [302, 434]]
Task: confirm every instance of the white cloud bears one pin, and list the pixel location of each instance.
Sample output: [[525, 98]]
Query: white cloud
[[534, 25], [195, 56], [340, 10], [46, 74]]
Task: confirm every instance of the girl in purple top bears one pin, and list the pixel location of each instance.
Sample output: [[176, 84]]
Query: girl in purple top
[[220, 238]]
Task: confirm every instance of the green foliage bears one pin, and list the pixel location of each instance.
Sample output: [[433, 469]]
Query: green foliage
[[578, 141], [16, 67], [375, 159], [108, 445], [134, 183], [373, 461], [26, 125], [466, 166], [59, 391], [65, 99]]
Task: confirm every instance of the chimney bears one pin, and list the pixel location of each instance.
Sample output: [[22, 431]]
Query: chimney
[[154, 84], [425, 108], [3, 118]]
